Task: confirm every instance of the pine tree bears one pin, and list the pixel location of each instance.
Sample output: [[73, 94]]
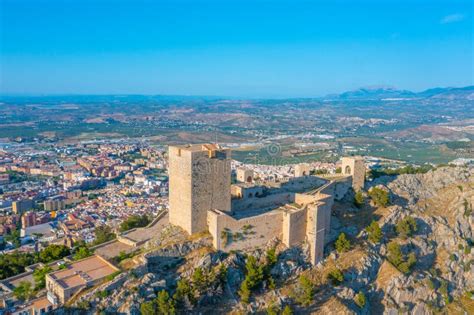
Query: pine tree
[[165, 304], [342, 243], [244, 292], [336, 276], [360, 299], [406, 227], [307, 291], [287, 311], [359, 199], [375, 232], [199, 279]]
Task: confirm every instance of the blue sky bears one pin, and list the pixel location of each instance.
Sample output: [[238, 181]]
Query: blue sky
[[249, 48]]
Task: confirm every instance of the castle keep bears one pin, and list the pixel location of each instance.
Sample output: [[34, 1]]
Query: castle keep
[[251, 213], [199, 180]]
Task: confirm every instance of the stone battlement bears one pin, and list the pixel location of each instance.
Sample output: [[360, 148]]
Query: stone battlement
[[251, 213]]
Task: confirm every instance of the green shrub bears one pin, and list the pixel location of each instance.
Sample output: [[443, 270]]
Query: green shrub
[[379, 196], [342, 243], [245, 292], [430, 283], [82, 252], [272, 310], [39, 275], [134, 221], [359, 199], [336, 276], [165, 304], [103, 234], [53, 252], [360, 299], [184, 292], [406, 227], [24, 291], [375, 232], [400, 261], [444, 290], [307, 291], [287, 311]]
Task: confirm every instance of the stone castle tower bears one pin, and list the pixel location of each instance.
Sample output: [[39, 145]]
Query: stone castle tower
[[199, 180], [355, 167]]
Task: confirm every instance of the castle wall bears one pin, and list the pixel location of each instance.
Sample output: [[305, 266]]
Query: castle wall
[[211, 182], [355, 167], [294, 227], [180, 188], [231, 234], [280, 194], [341, 186], [274, 200], [304, 199], [302, 169], [244, 175], [315, 231], [199, 180]]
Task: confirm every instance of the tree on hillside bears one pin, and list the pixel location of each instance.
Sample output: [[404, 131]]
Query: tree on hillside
[[245, 292], [336, 276], [360, 299], [184, 293], [199, 279], [359, 199], [406, 227], [165, 304], [287, 311], [255, 274], [307, 291], [342, 243], [398, 259], [148, 308], [379, 196], [375, 232]]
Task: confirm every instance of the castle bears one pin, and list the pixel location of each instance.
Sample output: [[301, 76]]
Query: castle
[[250, 213]]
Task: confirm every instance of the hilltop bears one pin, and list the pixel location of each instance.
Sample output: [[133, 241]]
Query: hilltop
[[428, 217]]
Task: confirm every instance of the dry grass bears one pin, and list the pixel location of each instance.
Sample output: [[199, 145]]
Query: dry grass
[[360, 218], [198, 236], [461, 306], [386, 272], [447, 201], [442, 256], [333, 306], [467, 304], [345, 261]]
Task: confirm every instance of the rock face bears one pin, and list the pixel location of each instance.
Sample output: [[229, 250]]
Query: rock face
[[440, 201]]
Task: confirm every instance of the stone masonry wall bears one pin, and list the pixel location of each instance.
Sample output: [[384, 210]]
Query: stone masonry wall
[[294, 227], [232, 234]]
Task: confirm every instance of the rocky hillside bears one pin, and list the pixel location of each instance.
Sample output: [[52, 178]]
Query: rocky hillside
[[403, 246]]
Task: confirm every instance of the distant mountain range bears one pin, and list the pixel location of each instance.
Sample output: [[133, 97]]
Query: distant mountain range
[[379, 93]]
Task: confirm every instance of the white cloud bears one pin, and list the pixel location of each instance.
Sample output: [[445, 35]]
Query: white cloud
[[452, 18]]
